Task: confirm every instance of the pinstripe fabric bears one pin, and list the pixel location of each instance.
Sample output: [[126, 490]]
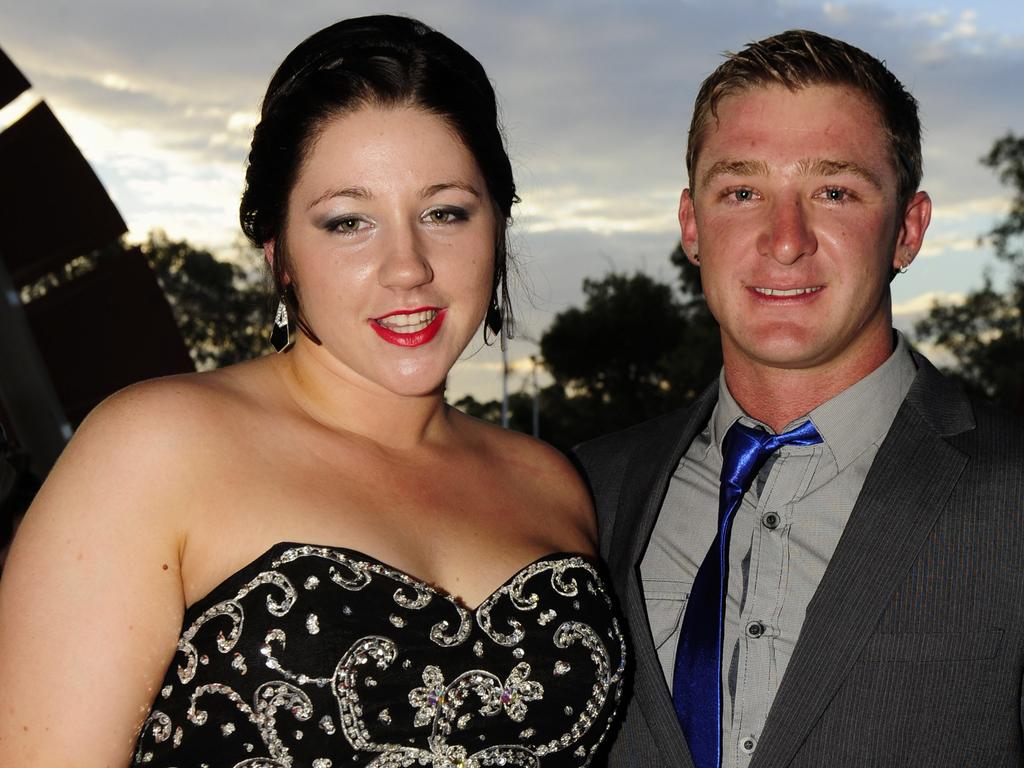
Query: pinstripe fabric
[[625, 472], [912, 650]]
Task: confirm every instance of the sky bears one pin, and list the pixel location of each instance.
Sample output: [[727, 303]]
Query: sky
[[596, 98]]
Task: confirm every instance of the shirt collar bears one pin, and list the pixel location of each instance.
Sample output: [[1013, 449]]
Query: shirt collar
[[849, 423]]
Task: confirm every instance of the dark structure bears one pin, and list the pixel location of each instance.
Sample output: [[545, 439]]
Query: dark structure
[[87, 336]]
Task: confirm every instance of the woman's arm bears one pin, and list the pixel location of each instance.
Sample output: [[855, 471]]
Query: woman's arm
[[91, 599]]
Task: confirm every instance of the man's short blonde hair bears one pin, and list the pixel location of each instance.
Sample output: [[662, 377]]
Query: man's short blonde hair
[[800, 58]]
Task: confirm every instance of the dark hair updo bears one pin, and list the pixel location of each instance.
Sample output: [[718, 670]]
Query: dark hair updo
[[381, 61]]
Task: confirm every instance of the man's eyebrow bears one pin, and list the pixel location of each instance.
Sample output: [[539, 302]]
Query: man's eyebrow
[[735, 168], [807, 167], [822, 167], [433, 189], [360, 193]]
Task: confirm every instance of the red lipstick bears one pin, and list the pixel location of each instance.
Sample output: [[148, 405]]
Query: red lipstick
[[412, 338]]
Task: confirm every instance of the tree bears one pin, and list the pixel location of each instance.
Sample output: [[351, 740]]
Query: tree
[[985, 334], [222, 306], [614, 348], [695, 362], [637, 348]]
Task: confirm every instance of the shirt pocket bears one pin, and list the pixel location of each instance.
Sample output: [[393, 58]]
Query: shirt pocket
[[940, 646], [666, 601]]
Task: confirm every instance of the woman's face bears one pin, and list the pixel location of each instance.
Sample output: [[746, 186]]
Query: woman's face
[[391, 234]]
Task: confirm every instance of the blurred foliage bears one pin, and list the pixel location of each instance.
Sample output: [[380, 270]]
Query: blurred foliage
[[985, 334], [636, 349], [222, 305]]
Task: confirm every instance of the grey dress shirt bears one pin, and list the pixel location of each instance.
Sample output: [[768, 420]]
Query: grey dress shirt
[[783, 536]]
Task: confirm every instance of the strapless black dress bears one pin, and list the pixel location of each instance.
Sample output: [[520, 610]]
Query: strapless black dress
[[316, 657]]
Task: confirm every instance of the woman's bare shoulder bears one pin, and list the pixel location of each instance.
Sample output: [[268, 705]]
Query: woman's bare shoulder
[[540, 467], [145, 448], [168, 395], [155, 417], [97, 558]]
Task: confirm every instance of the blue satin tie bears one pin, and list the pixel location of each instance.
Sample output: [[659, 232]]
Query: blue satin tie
[[696, 683]]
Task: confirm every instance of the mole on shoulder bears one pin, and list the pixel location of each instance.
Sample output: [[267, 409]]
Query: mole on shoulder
[[165, 566]]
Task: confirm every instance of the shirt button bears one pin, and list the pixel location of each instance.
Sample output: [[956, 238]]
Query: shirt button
[[748, 745], [770, 521], [755, 629]]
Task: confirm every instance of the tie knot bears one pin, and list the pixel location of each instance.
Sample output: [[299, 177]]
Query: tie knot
[[747, 448]]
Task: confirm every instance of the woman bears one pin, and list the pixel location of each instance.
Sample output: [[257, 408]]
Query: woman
[[310, 559]]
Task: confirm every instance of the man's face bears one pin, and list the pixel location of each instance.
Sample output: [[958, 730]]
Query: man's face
[[795, 216]]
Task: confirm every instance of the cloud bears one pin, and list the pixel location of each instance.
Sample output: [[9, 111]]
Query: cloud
[[568, 207], [519, 365], [934, 18], [16, 109], [935, 245], [157, 186], [993, 206], [596, 103], [479, 372], [116, 82], [242, 122], [921, 304], [837, 13], [906, 314], [940, 356], [965, 27]]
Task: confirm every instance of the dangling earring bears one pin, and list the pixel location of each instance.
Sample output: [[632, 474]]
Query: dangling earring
[[494, 319], [280, 333]]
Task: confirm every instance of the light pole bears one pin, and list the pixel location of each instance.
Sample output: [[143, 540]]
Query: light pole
[[536, 396], [504, 381]]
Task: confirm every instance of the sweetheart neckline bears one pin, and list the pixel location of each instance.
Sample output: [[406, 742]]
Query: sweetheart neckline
[[211, 596]]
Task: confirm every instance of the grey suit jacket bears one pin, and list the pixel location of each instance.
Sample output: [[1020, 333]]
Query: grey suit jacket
[[912, 650]]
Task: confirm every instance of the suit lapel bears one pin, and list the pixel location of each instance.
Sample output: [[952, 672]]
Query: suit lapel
[[904, 493], [643, 491], [647, 476]]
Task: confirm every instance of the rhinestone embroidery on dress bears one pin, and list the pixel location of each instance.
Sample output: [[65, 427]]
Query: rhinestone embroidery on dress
[[420, 679]]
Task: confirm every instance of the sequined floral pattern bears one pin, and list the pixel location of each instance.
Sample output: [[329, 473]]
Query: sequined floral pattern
[[319, 656]]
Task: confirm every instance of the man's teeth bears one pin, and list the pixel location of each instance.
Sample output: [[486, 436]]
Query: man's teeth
[[789, 292], [409, 323]]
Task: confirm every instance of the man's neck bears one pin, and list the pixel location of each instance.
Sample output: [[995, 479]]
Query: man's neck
[[779, 396]]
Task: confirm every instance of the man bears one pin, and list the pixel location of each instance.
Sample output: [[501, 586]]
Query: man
[[820, 561]]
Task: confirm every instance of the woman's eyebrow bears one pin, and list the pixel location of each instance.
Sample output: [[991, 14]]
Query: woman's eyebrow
[[433, 189], [360, 193]]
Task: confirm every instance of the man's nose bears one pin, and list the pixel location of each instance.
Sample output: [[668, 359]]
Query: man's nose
[[789, 234]]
